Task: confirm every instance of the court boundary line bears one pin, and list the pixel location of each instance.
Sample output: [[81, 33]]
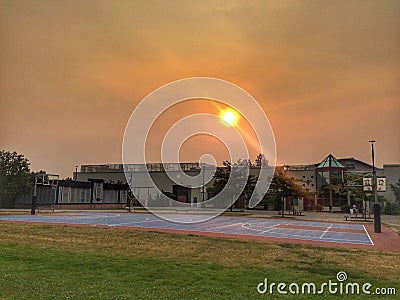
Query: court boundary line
[[325, 231], [234, 224], [368, 235], [305, 238]]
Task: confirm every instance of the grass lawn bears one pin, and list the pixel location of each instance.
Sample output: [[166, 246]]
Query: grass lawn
[[71, 262]]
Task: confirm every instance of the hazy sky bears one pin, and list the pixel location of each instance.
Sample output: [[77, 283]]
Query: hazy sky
[[327, 73]]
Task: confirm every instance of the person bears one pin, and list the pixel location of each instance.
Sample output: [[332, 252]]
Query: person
[[355, 208]]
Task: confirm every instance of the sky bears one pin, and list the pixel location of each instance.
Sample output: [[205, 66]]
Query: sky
[[326, 74]]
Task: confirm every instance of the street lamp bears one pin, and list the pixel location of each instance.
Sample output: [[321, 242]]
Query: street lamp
[[203, 191], [377, 209]]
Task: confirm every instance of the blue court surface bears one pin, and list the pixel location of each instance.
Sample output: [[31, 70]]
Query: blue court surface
[[259, 227]]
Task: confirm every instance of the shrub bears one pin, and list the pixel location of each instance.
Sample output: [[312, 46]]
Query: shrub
[[318, 207], [345, 208], [391, 209]]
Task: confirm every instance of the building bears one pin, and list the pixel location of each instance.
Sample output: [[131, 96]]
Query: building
[[158, 173], [327, 180], [78, 194], [330, 178], [392, 174], [108, 184]]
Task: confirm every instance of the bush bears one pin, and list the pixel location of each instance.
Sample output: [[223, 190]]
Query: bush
[[318, 207], [391, 209], [345, 208]]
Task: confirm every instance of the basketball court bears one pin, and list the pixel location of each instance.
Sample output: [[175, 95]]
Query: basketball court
[[283, 230]]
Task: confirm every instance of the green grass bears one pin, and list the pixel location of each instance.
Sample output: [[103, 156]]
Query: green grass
[[29, 273], [66, 262]]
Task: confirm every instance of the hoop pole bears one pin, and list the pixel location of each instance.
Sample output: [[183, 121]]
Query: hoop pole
[[33, 206]]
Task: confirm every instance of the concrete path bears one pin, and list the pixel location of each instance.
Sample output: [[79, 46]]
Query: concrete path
[[328, 217]]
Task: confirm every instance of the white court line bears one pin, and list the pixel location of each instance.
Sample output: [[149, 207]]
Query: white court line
[[307, 237], [234, 224], [139, 222], [272, 227], [259, 230], [368, 235], [358, 242], [93, 217], [322, 235], [311, 238], [181, 218], [295, 229]]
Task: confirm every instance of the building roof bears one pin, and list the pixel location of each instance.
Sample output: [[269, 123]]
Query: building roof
[[355, 164], [330, 162]]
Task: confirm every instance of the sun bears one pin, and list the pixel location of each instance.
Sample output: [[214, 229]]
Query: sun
[[230, 117]]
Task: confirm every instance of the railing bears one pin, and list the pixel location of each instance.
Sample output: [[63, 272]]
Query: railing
[[299, 168], [151, 167]]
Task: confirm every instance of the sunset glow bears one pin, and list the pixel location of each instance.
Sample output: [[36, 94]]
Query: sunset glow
[[70, 76]]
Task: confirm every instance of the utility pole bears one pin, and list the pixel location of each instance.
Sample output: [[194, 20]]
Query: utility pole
[[377, 208]]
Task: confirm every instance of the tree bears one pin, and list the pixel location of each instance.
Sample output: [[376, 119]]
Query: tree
[[396, 190], [14, 178], [351, 190], [353, 187], [284, 186], [261, 161], [238, 173]]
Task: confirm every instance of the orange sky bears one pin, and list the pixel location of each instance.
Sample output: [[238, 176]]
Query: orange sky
[[326, 73]]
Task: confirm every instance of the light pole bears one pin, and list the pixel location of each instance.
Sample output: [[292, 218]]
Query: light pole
[[377, 209], [203, 195]]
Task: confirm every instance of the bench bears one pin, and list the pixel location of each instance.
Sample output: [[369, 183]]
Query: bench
[[42, 208], [334, 209], [291, 212], [296, 212], [358, 215], [181, 211]]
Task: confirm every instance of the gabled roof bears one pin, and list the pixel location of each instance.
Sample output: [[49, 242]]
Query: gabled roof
[[330, 162], [352, 163]]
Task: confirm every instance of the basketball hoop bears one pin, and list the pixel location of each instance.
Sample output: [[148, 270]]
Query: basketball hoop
[[45, 180]]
